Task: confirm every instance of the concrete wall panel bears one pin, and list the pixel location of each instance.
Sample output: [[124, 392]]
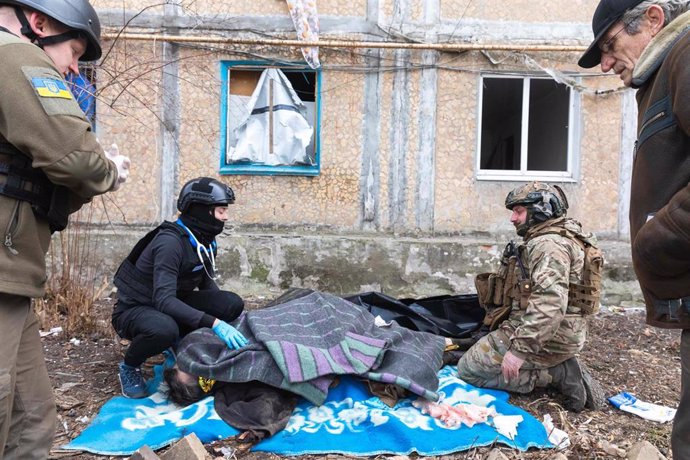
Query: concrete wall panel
[[128, 85], [520, 10]]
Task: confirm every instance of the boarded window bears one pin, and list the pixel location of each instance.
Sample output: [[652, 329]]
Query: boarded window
[[270, 120]]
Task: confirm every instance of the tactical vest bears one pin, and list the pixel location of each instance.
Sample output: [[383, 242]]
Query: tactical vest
[[497, 291], [26, 183], [138, 286]]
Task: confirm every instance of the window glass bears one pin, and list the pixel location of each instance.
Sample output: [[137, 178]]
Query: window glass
[[525, 129]]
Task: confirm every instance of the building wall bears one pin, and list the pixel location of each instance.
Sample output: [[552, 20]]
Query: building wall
[[398, 127]]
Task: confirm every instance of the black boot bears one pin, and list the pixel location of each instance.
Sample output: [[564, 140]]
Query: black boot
[[567, 379]]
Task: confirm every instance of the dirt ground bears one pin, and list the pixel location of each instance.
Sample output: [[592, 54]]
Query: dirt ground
[[622, 352]]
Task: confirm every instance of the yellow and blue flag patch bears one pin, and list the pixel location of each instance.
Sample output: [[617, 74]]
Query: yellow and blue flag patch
[[51, 87]]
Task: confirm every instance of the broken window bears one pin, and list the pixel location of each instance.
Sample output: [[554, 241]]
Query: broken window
[[526, 128], [270, 120]]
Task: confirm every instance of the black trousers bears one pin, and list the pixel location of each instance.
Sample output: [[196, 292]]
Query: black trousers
[[151, 331]]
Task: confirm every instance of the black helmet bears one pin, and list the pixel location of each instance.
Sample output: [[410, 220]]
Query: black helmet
[[78, 15], [543, 202], [205, 191]]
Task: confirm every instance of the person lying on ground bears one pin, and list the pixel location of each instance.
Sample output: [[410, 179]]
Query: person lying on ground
[[299, 348], [302, 345]]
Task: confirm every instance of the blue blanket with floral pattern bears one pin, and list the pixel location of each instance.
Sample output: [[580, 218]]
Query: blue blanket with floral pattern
[[351, 421]]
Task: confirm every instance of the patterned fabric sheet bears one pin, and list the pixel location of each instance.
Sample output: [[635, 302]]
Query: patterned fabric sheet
[[306, 20], [351, 421]]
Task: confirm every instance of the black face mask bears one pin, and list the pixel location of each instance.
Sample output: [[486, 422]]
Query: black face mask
[[200, 220]]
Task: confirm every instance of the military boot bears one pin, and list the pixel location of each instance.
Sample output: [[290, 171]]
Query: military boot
[[595, 393], [567, 379]]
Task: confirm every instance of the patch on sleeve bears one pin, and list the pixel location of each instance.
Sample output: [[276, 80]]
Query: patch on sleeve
[[51, 87], [52, 91]]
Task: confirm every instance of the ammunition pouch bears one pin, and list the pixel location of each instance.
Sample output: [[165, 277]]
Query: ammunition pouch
[[26, 183], [497, 291], [484, 291], [496, 316]]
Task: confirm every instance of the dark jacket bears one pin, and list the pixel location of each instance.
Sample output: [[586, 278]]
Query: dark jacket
[[160, 270], [660, 198]]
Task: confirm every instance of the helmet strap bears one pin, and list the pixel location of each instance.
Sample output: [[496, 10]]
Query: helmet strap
[[29, 33], [59, 38], [26, 30]]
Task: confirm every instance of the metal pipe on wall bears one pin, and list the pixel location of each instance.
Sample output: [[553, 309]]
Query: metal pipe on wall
[[341, 43]]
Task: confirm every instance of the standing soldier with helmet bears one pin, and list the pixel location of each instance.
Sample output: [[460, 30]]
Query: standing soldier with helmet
[[166, 285], [537, 303], [50, 165]]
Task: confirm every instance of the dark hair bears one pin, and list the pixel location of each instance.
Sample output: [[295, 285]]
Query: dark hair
[[179, 392]]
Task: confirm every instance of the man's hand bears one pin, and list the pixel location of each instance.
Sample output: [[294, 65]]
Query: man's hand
[[122, 164], [510, 367], [231, 336]]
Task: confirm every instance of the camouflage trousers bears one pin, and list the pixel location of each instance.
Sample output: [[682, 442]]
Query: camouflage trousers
[[481, 366]]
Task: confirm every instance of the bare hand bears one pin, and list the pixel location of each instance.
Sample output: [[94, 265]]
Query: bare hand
[[510, 367]]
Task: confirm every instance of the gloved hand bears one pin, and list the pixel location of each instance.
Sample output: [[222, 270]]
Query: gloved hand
[[122, 164], [231, 336]]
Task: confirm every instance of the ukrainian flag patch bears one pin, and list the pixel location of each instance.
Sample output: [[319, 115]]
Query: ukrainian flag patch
[[51, 87]]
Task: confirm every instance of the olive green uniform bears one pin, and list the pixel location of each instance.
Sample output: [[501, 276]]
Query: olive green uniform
[[42, 120], [545, 332]]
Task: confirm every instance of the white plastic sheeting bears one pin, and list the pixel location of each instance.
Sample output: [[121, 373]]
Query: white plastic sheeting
[[275, 129]]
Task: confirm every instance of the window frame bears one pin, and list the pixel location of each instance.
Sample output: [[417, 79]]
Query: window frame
[[258, 169], [523, 174]]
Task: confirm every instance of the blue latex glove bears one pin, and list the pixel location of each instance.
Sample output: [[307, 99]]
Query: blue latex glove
[[231, 336]]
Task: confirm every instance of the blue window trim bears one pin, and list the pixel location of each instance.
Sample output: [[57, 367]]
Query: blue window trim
[[266, 170]]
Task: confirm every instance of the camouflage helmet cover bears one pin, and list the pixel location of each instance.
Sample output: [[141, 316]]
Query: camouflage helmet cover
[[543, 201]]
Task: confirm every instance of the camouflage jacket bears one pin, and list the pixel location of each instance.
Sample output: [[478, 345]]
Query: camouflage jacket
[[548, 326]]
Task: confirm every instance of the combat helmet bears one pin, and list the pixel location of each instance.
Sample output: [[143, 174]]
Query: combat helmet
[[77, 15], [205, 191], [542, 201], [196, 204]]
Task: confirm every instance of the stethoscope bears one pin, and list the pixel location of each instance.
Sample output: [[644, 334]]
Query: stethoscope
[[200, 248]]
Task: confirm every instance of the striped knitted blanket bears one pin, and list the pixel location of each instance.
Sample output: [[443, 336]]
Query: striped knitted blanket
[[303, 344]]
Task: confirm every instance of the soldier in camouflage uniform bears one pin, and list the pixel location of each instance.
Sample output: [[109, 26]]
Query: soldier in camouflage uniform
[[544, 329]]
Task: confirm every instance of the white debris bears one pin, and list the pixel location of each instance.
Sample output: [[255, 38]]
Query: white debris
[[557, 437], [52, 331], [507, 425]]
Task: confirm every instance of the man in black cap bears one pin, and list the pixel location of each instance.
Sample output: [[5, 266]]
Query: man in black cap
[[647, 43]]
